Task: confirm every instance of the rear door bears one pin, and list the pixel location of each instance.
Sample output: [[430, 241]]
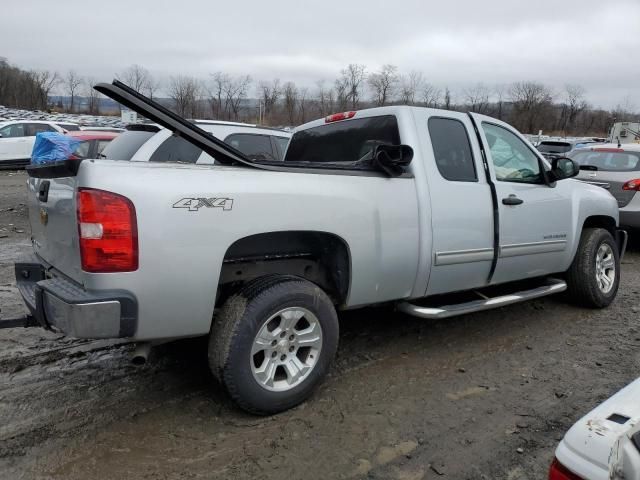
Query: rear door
[[11, 142], [462, 223], [535, 219]]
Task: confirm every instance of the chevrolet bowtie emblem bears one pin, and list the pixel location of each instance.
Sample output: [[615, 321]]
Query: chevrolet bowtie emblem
[[44, 216]]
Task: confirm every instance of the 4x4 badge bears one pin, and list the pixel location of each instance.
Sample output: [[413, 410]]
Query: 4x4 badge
[[194, 204]]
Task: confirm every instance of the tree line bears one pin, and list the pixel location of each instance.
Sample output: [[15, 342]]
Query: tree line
[[528, 105]]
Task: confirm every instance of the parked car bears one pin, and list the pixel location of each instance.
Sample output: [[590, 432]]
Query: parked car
[[258, 143], [616, 169], [92, 142], [605, 443], [551, 148], [395, 205], [17, 138]]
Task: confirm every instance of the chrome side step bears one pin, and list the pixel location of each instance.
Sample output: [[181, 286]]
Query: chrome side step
[[552, 286]]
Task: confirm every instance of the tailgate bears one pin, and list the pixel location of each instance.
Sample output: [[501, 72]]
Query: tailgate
[[54, 230], [612, 181]]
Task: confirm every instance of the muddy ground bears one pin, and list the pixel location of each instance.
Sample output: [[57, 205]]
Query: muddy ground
[[406, 399]]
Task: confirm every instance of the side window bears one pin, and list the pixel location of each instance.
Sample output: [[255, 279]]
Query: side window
[[256, 147], [82, 150], [101, 145], [176, 149], [13, 131], [282, 143], [512, 160], [33, 128], [452, 149]]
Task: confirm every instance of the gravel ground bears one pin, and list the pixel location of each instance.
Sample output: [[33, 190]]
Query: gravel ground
[[406, 398]]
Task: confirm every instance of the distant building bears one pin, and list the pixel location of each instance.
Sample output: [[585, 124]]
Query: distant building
[[625, 132]]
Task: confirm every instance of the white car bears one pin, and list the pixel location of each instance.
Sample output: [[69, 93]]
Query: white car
[[605, 443], [17, 138], [149, 143]]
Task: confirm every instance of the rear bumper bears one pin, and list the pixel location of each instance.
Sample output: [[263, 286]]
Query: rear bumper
[[62, 305], [630, 213]]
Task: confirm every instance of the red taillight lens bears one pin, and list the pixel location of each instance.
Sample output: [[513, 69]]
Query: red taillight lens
[[339, 116], [632, 185], [560, 472], [108, 232]]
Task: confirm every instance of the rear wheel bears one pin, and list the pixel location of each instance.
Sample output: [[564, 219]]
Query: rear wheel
[[273, 342], [594, 275]]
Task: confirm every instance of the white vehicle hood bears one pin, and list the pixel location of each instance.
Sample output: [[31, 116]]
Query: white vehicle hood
[[587, 448]]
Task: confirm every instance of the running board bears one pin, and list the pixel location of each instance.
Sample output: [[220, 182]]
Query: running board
[[552, 286]]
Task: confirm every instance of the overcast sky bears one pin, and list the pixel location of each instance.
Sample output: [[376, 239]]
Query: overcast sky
[[455, 43]]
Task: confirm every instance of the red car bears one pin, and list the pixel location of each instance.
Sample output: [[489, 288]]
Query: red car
[[92, 142]]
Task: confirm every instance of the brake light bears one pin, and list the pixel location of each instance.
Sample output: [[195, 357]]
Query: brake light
[[632, 185], [608, 149], [108, 232], [560, 472], [339, 116]]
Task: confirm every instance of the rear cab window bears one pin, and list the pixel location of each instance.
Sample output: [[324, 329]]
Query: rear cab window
[[342, 142], [255, 146], [125, 145], [452, 149], [553, 147]]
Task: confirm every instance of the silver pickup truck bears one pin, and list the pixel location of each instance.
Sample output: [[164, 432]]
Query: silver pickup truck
[[438, 213]]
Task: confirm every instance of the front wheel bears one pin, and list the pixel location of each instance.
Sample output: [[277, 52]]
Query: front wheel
[[273, 342], [594, 275]]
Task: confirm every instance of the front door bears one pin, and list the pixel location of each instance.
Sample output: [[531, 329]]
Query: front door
[[535, 218]]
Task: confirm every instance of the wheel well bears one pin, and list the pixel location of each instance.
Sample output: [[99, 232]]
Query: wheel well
[[320, 257], [601, 221]]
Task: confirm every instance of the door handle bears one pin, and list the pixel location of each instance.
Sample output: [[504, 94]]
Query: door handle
[[512, 200]]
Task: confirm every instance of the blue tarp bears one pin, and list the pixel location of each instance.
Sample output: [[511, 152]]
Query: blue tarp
[[52, 147]]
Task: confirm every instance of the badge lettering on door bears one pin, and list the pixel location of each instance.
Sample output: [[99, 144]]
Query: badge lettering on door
[[195, 204]]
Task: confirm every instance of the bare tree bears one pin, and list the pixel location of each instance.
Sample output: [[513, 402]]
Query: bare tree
[[92, 96], [383, 84], [136, 77], [235, 92], [217, 92], [446, 104], [72, 83], [531, 100], [303, 102], [290, 93], [184, 91], [351, 80], [431, 95], [573, 105], [410, 86], [477, 98], [342, 93], [269, 94], [46, 82], [325, 99], [499, 90]]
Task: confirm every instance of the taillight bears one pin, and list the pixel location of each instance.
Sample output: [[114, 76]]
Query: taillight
[[632, 185], [560, 472], [339, 116], [108, 232]]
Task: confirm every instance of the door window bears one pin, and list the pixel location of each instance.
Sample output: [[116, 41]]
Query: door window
[[12, 131], [512, 160], [33, 128], [452, 149]]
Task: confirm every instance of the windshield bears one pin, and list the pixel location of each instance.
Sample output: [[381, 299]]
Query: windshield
[[125, 145], [608, 161], [554, 147], [346, 141]]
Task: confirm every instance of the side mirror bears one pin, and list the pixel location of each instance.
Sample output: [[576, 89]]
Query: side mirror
[[392, 159], [563, 167]]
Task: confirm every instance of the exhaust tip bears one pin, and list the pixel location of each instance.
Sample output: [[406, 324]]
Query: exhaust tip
[[141, 354]]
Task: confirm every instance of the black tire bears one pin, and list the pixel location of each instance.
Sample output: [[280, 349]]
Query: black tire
[[237, 324], [583, 287]]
